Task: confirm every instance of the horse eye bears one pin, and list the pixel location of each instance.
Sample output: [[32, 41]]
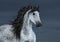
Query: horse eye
[[33, 13]]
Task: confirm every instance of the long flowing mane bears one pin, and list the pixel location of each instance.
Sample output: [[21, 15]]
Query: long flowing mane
[[18, 22]]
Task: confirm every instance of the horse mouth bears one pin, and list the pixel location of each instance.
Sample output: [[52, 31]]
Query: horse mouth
[[38, 24]]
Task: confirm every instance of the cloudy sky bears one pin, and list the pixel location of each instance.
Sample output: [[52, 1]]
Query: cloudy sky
[[50, 16]]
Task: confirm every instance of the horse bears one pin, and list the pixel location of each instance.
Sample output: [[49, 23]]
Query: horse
[[20, 29]]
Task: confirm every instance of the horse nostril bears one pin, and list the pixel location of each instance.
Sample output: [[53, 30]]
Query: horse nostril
[[38, 24]]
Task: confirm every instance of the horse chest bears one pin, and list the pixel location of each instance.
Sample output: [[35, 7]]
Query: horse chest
[[28, 36]]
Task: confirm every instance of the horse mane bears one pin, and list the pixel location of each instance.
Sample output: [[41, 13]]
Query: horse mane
[[18, 22]]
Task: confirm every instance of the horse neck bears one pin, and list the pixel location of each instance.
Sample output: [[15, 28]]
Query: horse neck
[[27, 25]]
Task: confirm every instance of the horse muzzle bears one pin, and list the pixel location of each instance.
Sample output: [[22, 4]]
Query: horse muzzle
[[38, 24]]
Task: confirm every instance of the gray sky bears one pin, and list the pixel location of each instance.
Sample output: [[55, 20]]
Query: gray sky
[[50, 16]]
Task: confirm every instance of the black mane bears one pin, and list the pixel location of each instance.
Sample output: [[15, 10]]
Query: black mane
[[17, 23]]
